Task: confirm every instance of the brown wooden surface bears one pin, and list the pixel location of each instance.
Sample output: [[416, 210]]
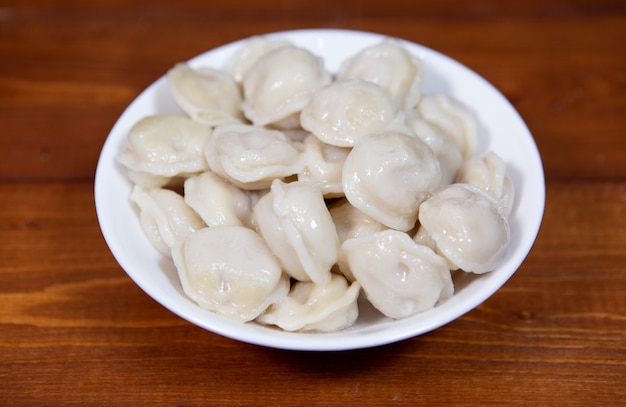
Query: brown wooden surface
[[75, 330]]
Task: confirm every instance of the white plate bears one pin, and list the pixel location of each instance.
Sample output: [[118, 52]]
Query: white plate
[[500, 129]]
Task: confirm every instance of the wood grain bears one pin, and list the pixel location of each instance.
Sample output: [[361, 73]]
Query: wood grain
[[560, 67], [75, 330]]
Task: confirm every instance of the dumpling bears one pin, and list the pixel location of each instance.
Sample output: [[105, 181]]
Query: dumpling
[[280, 84], [399, 277], [147, 180], [448, 154], [166, 145], [250, 156], [207, 95], [388, 175], [489, 172], [326, 307], [342, 112], [210, 96], [230, 270], [454, 118], [350, 223], [391, 66], [164, 217], [251, 50], [217, 201], [468, 227], [323, 165], [294, 220], [422, 237]]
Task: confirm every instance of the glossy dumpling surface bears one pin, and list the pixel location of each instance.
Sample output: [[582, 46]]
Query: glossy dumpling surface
[[448, 154], [389, 65], [164, 216], [468, 227], [166, 145], [489, 172], [323, 165], [250, 52], [295, 222], [251, 157], [342, 112], [217, 201], [454, 118], [207, 95], [399, 277], [326, 307], [351, 223], [231, 271], [388, 175], [280, 84]]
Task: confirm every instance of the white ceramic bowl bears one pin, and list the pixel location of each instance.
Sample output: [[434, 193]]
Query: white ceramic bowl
[[500, 129]]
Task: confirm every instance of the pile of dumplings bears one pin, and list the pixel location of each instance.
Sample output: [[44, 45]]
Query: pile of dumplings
[[285, 192]]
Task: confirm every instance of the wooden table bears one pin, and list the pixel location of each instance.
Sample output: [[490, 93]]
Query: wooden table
[[75, 330]]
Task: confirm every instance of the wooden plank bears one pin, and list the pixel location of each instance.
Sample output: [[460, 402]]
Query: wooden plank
[[74, 329], [64, 82]]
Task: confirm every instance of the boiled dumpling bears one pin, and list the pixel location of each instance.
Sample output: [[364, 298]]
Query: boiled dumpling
[[489, 172], [454, 118], [147, 180], [164, 216], [245, 57], [217, 201], [342, 112], [399, 277], [388, 175], [166, 146], [207, 95], [424, 238], [323, 165], [448, 154], [231, 271], [350, 223], [280, 84], [326, 307], [468, 227], [295, 222], [391, 66], [250, 156]]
